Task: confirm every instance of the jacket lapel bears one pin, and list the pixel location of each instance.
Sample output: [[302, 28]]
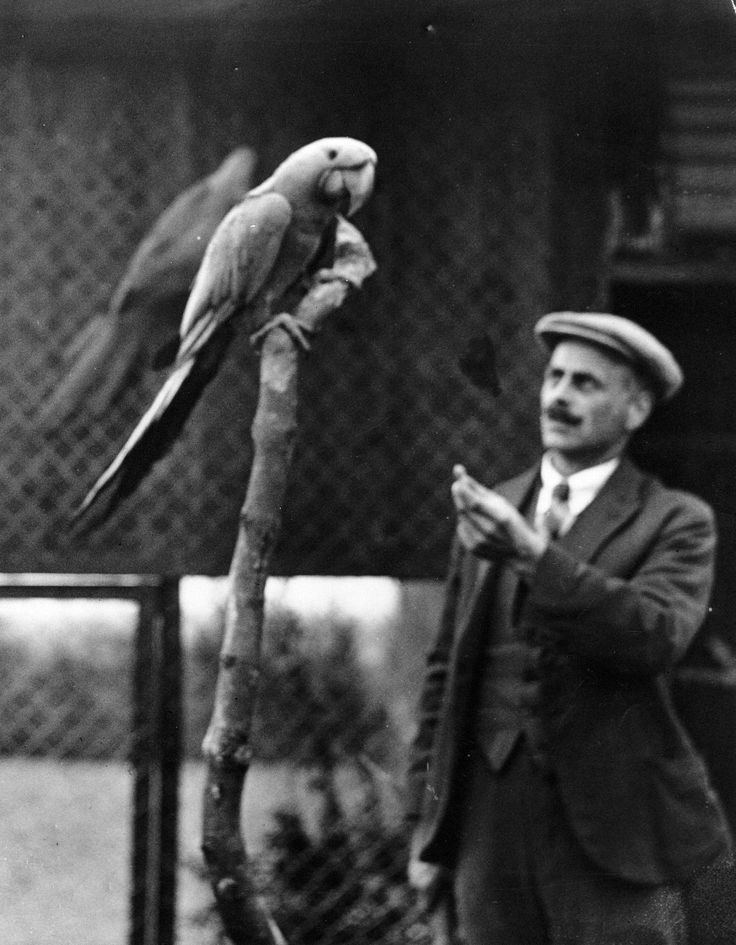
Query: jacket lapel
[[515, 490], [614, 505]]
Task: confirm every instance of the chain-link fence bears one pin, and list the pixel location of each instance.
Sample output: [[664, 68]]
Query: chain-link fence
[[66, 682], [323, 803], [460, 226]]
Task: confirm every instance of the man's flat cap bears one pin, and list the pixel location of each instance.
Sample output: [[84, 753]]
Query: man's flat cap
[[629, 340]]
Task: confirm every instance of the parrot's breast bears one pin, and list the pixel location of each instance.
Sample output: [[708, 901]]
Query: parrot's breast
[[298, 249]]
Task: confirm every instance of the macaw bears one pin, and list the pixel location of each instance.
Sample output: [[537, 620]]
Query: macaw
[[146, 305], [260, 251]]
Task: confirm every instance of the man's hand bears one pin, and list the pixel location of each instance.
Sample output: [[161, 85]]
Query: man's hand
[[490, 527]]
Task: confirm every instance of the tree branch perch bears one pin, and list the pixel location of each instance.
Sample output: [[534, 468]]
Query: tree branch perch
[[226, 746]]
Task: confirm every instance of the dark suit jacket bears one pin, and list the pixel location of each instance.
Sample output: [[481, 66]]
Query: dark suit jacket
[[614, 604]]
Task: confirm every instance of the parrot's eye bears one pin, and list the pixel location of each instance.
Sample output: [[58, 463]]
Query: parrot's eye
[[332, 154]]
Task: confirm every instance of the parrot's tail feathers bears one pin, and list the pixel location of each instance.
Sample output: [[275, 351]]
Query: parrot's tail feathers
[[154, 434], [152, 416], [120, 374], [102, 361], [94, 512]]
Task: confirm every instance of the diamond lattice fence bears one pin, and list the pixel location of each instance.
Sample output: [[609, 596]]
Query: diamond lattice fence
[[92, 152]]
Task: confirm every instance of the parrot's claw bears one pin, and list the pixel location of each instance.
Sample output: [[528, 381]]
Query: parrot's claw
[[290, 325], [325, 276]]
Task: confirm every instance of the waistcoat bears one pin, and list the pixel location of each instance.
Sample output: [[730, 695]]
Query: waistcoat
[[508, 689]]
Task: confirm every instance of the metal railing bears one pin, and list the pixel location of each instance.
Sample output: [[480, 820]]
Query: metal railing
[[155, 747]]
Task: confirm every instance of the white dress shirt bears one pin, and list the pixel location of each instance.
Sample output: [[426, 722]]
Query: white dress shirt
[[584, 487]]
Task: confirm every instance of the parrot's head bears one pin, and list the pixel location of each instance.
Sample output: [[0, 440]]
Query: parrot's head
[[336, 172]]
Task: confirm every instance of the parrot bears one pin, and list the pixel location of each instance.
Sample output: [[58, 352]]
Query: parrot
[[146, 305], [261, 250]]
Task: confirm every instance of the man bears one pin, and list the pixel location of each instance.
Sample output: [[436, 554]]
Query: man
[[551, 783]]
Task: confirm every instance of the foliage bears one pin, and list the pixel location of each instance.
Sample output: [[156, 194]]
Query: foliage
[[312, 704], [333, 873], [75, 701], [64, 703], [347, 886], [313, 707]]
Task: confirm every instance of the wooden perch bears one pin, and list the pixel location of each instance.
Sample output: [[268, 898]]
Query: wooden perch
[[226, 745]]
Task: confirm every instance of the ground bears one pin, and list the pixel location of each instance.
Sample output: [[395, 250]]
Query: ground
[[65, 849]]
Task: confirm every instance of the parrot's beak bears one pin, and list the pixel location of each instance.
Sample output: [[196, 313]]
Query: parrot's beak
[[350, 186], [359, 184]]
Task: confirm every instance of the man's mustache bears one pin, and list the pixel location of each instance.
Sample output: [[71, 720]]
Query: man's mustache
[[561, 415]]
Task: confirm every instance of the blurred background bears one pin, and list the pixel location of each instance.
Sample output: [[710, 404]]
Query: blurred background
[[531, 157]]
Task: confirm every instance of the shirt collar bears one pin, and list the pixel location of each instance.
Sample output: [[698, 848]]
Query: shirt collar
[[591, 478], [584, 485]]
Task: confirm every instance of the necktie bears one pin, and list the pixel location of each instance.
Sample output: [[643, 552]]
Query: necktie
[[556, 516]]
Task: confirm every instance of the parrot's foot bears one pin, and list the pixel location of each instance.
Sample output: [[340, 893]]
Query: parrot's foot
[[290, 325]]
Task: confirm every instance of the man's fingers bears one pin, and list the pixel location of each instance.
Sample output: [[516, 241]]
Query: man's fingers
[[469, 492], [459, 496], [481, 539], [471, 537], [469, 534], [465, 481], [485, 505], [495, 506], [488, 525]]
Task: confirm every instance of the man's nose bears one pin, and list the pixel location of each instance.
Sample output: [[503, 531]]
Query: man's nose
[[558, 391]]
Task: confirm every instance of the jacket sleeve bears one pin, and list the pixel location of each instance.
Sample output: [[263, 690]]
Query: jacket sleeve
[[639, 625], [433, 689]]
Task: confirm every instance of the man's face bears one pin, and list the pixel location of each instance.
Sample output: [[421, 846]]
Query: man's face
[[590, 405]]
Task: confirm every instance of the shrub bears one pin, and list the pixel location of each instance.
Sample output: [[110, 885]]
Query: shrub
[[64, 704], [347, 886], [343, 881]]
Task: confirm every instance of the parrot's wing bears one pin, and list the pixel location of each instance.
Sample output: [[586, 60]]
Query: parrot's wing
[[106, 354], [235, 268], [168, 256], [146, 305], [154, 434]]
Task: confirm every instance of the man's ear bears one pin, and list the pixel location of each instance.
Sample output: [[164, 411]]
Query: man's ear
[[640, 406]]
